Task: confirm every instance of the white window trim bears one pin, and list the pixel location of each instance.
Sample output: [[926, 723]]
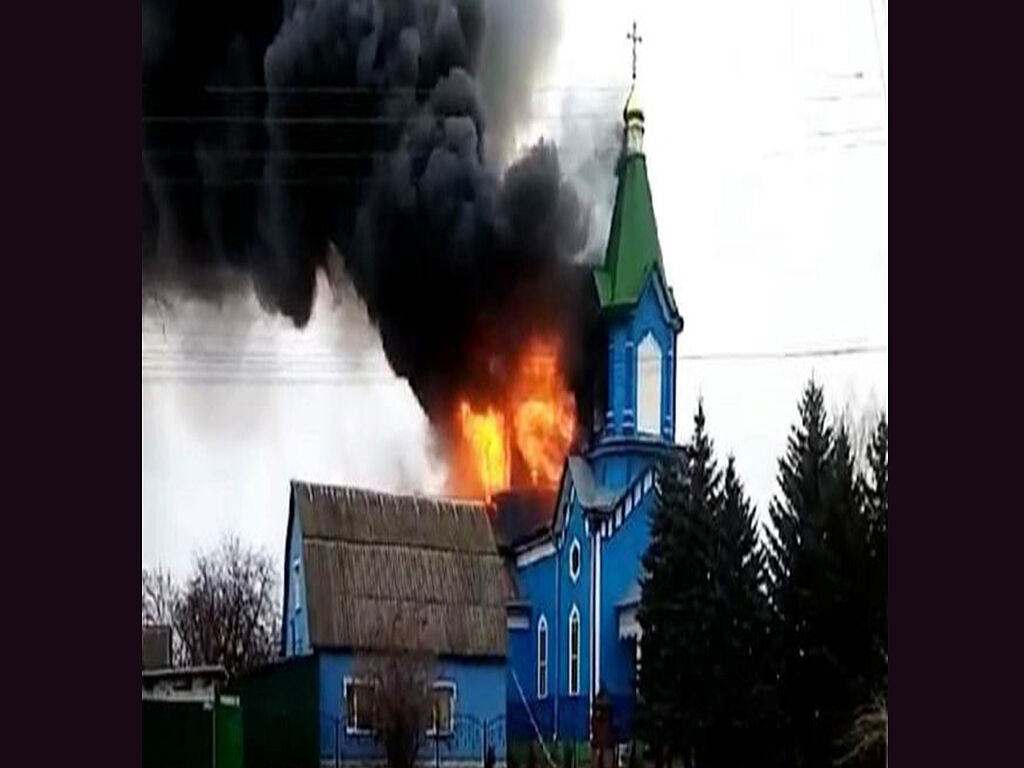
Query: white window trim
[[574, 615], [575, 547], [297, 588], [542, 626], [449, 684], [353, 730]]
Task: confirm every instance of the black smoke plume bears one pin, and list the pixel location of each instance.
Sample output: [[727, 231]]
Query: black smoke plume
[[272, 132]]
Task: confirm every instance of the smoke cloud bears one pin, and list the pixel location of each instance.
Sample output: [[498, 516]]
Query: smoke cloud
[[273, 133]]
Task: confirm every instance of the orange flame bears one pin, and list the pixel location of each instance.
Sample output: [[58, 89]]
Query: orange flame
[[485, 434], [543, 420]]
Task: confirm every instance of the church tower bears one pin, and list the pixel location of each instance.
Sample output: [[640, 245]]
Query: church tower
[[574, 632], [639, 324]]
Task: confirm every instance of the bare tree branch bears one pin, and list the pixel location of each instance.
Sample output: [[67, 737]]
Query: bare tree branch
[[401, 671], [227, 611]]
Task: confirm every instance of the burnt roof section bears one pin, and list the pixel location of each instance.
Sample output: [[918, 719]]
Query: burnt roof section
[[372, 556], [522, 514]]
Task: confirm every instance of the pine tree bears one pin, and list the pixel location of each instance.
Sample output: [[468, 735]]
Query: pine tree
[[823, 594], [799, 568], [655, 705], [743, 699], [674, 685], [876, 498], [846, 606], [699, 616]]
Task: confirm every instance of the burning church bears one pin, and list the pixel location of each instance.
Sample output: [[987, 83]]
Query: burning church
[[528, 594]]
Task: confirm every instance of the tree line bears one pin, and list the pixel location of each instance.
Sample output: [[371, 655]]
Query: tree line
[[769, 646], [226, 612]]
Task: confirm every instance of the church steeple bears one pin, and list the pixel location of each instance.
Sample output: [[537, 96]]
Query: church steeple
[[633, 250], [641, 320]]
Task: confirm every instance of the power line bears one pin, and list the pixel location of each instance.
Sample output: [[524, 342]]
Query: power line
[[259, 181], [855, 129], [792, 354], [256, 153], [269, 371], [357, 89], [845, 96], [862, 144], [335, 119]]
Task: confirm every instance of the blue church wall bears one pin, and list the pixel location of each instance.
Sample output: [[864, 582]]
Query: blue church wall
[[573, 710], [296, 628], [621, 567], [548, 586], [479, 698]]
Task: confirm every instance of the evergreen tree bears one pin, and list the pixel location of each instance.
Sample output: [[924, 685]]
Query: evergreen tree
[[876, 498], [655, 716], [676, 623], [698, 616], [823, 594], [743, 703], [846, 605], [799, 568], [708, 693]]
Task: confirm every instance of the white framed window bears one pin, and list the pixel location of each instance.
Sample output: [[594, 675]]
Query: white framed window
[[574, 651], [358, 706], [542, 658], [442, 708], [297, 584], [575, 559], [648, 391]]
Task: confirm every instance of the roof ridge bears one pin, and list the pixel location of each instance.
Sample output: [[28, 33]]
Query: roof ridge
[[417, 601], [415, 495]]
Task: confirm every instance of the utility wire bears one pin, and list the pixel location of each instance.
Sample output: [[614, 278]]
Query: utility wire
[[356, 89], [293, 372], [801, 353], [335, 119]]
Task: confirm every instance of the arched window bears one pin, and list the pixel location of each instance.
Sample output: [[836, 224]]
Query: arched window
[[648, 390], [574, 560], [574, 651], [542, 658]]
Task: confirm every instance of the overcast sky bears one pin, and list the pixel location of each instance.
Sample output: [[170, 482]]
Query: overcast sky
[[767, 148]]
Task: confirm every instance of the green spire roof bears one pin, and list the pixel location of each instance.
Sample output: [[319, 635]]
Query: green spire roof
[[633, 248]]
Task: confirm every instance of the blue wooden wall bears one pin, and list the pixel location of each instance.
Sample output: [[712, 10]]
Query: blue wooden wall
[[479, 697]]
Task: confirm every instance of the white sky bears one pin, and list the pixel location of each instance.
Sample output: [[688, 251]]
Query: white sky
[[768, 164]]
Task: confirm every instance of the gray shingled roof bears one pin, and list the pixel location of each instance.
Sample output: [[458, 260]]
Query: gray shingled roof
[[369, 556]]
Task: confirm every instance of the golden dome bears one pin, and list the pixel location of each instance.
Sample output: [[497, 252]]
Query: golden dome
[[632, 108]]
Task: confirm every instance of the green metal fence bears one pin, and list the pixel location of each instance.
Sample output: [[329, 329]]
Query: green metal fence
[[280, 709], [191, 734]]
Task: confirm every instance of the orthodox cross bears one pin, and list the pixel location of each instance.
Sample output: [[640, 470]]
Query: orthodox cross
[[636, 39]]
